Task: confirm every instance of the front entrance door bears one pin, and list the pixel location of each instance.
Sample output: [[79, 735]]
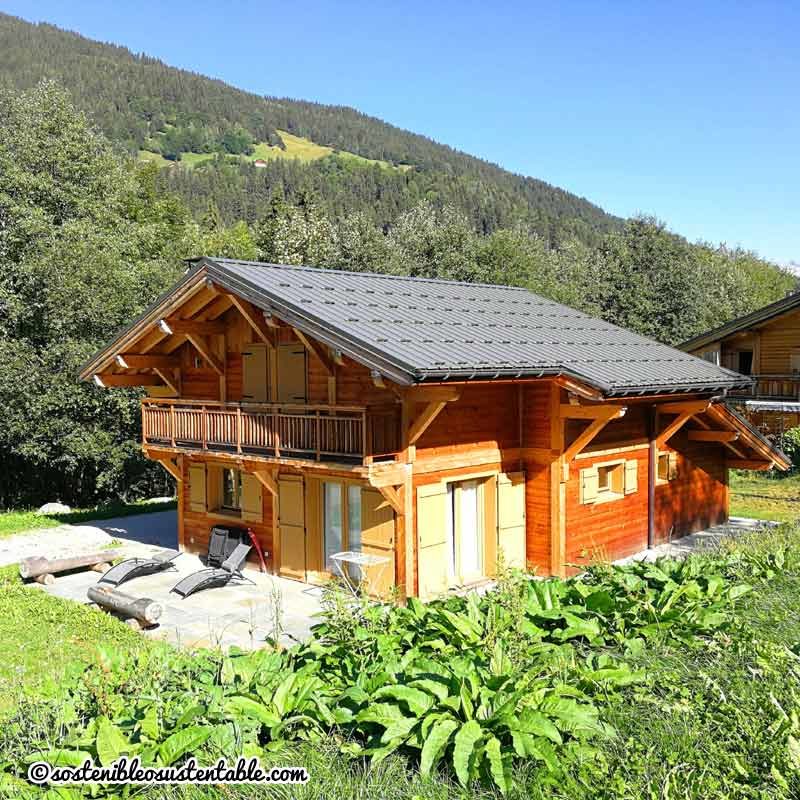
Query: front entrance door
[[292, 526], [465, 532]]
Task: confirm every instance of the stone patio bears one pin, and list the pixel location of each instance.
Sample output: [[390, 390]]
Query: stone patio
[[243, 615]]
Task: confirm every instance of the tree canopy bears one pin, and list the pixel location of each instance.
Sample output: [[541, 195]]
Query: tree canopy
[[89, 237]]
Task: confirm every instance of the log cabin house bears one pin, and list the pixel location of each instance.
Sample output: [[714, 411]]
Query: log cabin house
[[764, 344], [438, 425]]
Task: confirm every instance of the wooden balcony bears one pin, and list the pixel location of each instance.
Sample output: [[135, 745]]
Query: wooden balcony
[[773, 387], [336, 434]]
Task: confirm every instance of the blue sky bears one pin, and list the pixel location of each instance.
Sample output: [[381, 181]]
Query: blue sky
[[688, 111]]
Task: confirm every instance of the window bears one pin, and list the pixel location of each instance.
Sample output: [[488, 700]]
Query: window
[[667, 467], [341, 521], [610, 481], [232, 490], [746, 362], [663, 466], [710, 355], [611, 478], [795, 362]]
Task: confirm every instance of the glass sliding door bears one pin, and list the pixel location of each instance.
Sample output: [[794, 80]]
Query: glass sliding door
[[341, 522], [465, 532], [332, 522]]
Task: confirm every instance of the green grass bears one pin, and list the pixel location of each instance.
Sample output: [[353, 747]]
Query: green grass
[[146, 155], [45, 641], [764, 496], [297, 147], [12, 522]]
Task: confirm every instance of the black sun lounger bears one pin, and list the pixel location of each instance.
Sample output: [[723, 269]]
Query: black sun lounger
[[138, 567], [213, 578]]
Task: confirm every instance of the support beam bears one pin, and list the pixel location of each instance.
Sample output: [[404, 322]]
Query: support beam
[[191, 326], [377, 379], [599, 421], [423, 421], [685, 406], [318, 350], [147, 361], [105, 381], [201, 344], [171, 378], [171, 466], [392, 496], [740, 463], [713, 436], [568, 411], [338, 357], [270, 320], [430, 394], [267, 479], [579, 388], [255, 319], [675, 425]]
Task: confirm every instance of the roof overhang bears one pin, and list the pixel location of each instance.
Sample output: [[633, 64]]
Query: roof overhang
[[755, 318], [206, 271]]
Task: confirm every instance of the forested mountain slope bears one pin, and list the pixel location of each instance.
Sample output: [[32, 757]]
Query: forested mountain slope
[[145, 105]]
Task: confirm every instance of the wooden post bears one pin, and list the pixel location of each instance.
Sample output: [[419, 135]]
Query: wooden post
[[239, 429], [142, 609], [317, 433], [652, 467], [203, 428], [172, 423], [37, 565]]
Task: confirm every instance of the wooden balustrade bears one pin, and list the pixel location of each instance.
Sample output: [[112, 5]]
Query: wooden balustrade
[[272, 430], [777, 387]]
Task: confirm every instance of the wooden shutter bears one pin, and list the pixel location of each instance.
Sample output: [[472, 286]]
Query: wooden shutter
[[377, 538], [197, 488], [292, 527], [252, 501], [631, 476], [511, 518], [291, 373], [673, 466], [213, 487], [254, 374], [589, 484], [432, 540]]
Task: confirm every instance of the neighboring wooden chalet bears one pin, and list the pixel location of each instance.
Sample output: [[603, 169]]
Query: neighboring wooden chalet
[[435, 423], [765, 345]]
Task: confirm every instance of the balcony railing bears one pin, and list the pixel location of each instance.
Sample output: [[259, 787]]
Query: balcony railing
[[345, 434], [773, 387]]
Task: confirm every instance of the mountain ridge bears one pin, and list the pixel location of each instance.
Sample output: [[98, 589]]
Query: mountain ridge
[[142, 103]]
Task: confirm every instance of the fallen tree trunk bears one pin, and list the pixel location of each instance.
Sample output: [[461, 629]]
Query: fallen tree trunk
[[143, 609], [37, 565]]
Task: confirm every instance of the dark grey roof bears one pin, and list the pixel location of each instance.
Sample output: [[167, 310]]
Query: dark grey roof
[[763, 314], [418, 329]]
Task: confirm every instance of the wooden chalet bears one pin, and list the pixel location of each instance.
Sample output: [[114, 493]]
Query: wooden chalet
[[438, 425], [764, 345]]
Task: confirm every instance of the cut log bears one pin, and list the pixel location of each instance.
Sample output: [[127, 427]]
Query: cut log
[[103, 566], [31, 567], [143, 609], [46, 580]]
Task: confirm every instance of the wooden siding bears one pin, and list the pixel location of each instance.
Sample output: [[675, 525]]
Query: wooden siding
[[610, 529], [698, 496], [194, 528]]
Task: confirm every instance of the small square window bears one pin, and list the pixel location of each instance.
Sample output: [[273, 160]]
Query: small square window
[[611, 478], [231, 489], [663, 466]]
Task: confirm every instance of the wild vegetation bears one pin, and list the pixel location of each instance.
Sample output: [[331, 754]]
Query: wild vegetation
[[662, 679]]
